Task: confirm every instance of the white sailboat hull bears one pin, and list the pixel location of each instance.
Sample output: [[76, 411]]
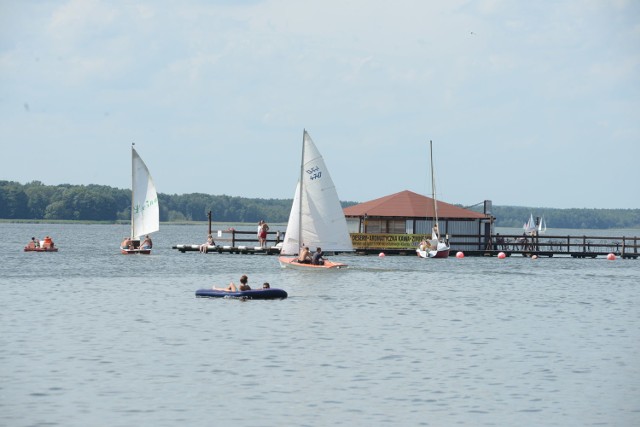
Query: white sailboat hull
[[442, 251]]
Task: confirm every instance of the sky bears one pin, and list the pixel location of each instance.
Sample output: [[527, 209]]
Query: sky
[[527, 103]]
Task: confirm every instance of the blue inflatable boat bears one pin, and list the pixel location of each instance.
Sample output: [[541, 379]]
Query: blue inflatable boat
[[271, 293]]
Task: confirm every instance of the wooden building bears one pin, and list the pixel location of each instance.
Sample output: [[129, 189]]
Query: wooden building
[[401, 220]]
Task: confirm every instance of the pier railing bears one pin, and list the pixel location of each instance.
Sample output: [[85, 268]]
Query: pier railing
[[241, 238], [575, 246], [480, 244], [471, 244]]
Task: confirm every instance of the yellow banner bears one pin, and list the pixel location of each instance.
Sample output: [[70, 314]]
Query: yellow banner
[[385, 241]]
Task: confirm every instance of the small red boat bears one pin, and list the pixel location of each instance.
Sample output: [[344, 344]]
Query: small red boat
[[45, 245], [28, 249]]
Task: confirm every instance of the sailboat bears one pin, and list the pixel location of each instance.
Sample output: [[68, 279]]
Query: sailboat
[[145, 212], [529, 227], [316, 219], [435, 247], [542, 227]]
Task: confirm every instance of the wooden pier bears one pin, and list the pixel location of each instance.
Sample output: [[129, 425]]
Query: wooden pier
[[238, 242], [541, 246], [246, 243]]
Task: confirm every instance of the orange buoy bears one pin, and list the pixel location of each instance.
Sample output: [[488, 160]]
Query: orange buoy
[[381, 255], [460, 255], [611, 257], [501, 255]]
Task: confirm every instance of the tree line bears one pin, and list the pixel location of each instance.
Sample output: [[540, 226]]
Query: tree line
[[38, 201]]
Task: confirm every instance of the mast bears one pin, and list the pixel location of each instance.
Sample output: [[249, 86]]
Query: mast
[[304, 133], [132, 185], [433, 190]]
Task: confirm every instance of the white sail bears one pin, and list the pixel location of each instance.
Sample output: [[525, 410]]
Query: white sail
[[145, 213], [291, 244], [542, 227], [316, 218], [530, 226]]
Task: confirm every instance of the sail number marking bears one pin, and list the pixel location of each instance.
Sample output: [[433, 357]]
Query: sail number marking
[[139, 208], [314, 173]]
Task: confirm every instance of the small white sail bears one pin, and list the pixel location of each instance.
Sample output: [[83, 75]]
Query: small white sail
[[291, 244], [530, 226], [145, 212], [316, 218], [542, 227]]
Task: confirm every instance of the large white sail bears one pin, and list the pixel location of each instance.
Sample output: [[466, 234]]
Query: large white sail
[[316, 218], [145, 213]]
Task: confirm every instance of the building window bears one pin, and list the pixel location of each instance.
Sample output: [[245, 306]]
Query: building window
[[374, 226], [409, 226], [397, 226]]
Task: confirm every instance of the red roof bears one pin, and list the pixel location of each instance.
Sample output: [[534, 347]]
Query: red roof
[[407, 204]]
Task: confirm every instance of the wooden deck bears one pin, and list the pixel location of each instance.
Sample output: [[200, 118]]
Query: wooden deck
[[228, 249], [245, 242], [542, 246]]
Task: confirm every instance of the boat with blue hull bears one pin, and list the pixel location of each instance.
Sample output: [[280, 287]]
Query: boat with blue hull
[[272, 293]]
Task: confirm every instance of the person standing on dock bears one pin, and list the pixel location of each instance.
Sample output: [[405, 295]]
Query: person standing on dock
[[262, 233]]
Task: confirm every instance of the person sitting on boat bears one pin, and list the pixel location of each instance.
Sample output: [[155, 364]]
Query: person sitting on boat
[[305, 256], [317, 258], [48, 243], [146, 243], [127, 243], [205, 246], [266, 285], [34, 243], [244, 285]]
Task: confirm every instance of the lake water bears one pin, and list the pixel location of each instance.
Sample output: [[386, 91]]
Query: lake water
[[89, 337]]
